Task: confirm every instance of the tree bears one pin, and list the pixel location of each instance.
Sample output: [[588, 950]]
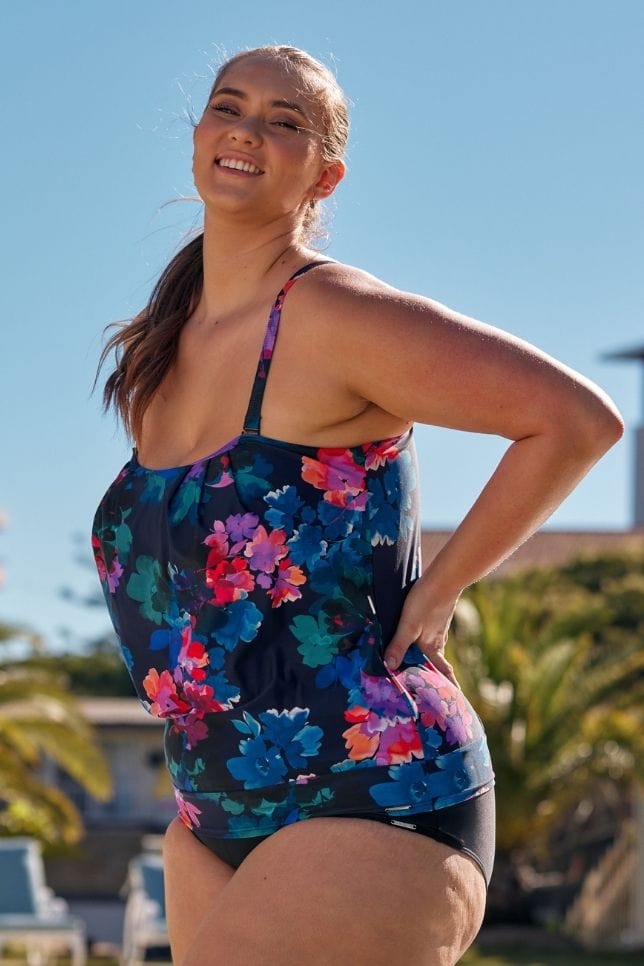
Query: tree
[[553, 663], [38, 720]]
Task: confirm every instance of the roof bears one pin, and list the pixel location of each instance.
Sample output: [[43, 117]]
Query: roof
[[547, 548], [107, 712]]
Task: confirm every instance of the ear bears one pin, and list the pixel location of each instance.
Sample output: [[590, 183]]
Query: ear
[[329, 179]]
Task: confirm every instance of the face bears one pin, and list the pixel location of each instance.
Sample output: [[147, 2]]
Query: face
[[257, 147]]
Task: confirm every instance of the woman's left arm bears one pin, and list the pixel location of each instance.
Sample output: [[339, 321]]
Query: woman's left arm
[[418, 359]]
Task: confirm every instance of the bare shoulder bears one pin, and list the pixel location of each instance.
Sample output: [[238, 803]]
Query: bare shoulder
[[424, 361], [352, 301]]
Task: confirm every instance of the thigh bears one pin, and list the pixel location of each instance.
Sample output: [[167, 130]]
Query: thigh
[[193, 877], [344, 890]]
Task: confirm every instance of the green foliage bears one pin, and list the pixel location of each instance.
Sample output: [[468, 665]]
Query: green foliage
[[552, 660], [97, 670], [39, 720]]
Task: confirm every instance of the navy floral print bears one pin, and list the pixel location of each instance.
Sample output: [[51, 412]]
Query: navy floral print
[[253, 593]]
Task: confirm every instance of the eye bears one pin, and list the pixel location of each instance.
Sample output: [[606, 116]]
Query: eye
[[222, 108], [290, 125]]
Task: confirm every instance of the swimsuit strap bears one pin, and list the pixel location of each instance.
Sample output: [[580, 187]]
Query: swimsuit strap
[[253, 415]]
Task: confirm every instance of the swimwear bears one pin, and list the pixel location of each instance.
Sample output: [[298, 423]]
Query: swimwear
[[253, 593], [469, 827]]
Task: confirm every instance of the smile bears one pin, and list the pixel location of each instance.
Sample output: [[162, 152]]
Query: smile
[[237, 165]]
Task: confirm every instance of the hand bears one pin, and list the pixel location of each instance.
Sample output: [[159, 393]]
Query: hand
[[424, 621]]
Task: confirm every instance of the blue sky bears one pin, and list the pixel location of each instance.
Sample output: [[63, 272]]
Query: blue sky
[[495, 165]]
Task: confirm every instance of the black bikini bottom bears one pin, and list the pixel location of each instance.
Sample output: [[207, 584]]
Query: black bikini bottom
[[469, 827]]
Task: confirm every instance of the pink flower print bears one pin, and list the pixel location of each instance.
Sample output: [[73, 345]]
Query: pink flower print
[[114, 575], [459, 720], [194, 729], [188, 813], [379, 454], [230, 580], [440, 703], [225, 477], [390, 741], [304, 779], [99, 558], [111, 576], [289, 577], [162, 692], [399, 743], [218, 542], [337, 473], [265, 550], [201, 698], [192, 656]]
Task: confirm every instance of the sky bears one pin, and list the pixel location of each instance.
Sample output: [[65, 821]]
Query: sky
[[494, 165]]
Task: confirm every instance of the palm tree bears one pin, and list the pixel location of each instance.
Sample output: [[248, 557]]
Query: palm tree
[[553, 663], [38, 720]]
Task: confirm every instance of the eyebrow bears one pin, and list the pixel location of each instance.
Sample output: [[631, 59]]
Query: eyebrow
[[289, 105]]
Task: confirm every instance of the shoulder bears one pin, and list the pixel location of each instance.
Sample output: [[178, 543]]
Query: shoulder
[[337, 286], [350, 299], [350, 306]]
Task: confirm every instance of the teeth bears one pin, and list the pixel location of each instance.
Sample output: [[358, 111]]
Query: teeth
[[239, 165]]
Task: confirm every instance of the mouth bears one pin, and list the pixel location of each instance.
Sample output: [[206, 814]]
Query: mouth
[[238, 166]]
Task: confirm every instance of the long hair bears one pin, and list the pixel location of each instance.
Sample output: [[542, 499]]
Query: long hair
[[146, 346]]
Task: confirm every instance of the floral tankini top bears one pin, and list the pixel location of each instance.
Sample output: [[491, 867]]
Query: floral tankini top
[[253, 593]]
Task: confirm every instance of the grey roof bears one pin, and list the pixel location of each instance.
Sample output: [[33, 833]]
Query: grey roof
[[547, 548], [117, 711]]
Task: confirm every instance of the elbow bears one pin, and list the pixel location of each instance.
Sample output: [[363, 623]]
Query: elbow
[[599, 430]]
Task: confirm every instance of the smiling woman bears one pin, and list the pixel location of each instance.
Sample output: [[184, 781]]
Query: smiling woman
[[260, 554]]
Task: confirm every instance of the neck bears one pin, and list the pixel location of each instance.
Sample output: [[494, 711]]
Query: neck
[[240, 261]]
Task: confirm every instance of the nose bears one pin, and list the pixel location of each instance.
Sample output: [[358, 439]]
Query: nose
[[245, 131]]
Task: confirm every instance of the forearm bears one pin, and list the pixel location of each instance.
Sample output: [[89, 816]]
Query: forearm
[[534, 476]]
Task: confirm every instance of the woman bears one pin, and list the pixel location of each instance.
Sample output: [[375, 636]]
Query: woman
[[334, 784]]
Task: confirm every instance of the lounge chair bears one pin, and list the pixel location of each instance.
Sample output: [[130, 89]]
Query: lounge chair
[[144, 924], [30, 914]]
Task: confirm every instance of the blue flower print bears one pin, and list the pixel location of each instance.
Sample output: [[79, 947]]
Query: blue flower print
[[338, 522], [126, 654], [345, 670], [290, 731], [457, 771], [262, 765], [383, 515], [259, 765], [170, 636], [410, 785], [284, 504], [307, 545], [238, 621]]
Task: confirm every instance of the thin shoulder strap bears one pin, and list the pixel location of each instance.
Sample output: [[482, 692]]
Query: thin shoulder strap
[[253, 414]]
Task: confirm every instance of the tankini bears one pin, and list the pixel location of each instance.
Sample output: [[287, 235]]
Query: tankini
[[253, 593]]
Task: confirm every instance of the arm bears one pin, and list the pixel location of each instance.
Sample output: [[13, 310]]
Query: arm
[[420, 360]]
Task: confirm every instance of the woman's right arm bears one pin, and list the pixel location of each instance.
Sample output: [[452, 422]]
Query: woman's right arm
[[422, 361]]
